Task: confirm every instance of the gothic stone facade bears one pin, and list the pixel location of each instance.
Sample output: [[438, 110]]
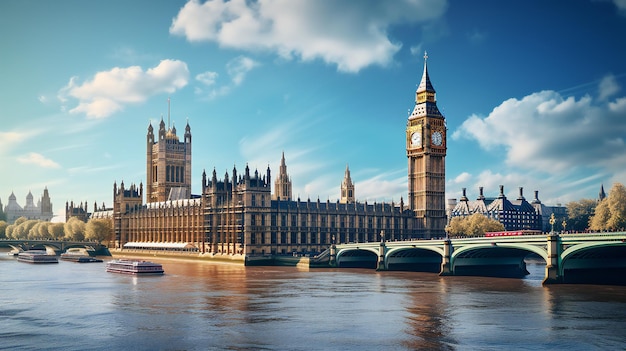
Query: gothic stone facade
[[239, 214]]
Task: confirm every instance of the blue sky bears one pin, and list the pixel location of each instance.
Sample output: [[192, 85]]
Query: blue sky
[[533, 93]]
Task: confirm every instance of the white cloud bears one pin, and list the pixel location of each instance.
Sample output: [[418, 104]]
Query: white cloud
[[10, 139], [383, 187], [618, 106], [109, 91], [608, 87], [351, 35], [621, 6], [462, 178], [563, 146], [207, 78], [417, 50], [38, 160], [237, 69], [547, 132]]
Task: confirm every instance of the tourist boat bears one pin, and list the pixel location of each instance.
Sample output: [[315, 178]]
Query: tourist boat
[[36, 256], [134, 267], [78, 255]]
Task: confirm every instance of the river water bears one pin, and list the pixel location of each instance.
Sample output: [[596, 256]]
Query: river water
[[213, 306]]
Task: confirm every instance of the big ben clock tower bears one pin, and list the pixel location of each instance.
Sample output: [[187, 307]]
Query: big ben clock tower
[[426, 153]]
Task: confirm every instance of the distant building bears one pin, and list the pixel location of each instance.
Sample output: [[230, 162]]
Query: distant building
[[514, 215], [560, 213], [42, 211], [78, 211], [81, 212]]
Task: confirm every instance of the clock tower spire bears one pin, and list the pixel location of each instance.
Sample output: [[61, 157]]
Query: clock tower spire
[[426, 152]]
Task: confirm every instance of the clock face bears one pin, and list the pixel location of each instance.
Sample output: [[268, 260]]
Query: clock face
[[437, 138], [416, 139]]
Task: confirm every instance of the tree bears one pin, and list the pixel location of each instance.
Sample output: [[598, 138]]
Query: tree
[[601, 216], [9, 231], [617, 207], [474, 225], [56, 230], [579, 213], [456, 226], [22, 231], [610, 213], [40, 230], [3, 229], [98, 229], [74, 229]]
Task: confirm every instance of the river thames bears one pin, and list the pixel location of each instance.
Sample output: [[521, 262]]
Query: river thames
[[213, 306]]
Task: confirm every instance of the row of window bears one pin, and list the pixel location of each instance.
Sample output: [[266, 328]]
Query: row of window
[[332, 221]]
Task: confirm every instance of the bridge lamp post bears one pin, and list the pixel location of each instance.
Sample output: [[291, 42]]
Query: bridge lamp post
[[553, 261], [333, 252], [564, 224], [381, 266]]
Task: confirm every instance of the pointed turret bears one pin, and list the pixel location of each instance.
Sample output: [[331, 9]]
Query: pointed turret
[[162, 130], [187, 133], [347, 188], [204, 184], [425, 96], [282, 186], [425, 86], [150, 135], [602, 194]]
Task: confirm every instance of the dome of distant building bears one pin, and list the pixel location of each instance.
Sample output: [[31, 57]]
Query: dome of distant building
[[41, 211]]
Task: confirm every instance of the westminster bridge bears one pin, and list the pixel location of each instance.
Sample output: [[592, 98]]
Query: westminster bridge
[[56, 246], [569, 258]]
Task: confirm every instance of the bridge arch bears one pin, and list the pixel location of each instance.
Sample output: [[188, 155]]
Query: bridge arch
[[541, 251], [594, 263], [493, 259], [419, 259], [357, 258], [57, 246]]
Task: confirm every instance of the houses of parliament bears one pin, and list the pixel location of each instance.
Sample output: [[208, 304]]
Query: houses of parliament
[[239, 214]]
